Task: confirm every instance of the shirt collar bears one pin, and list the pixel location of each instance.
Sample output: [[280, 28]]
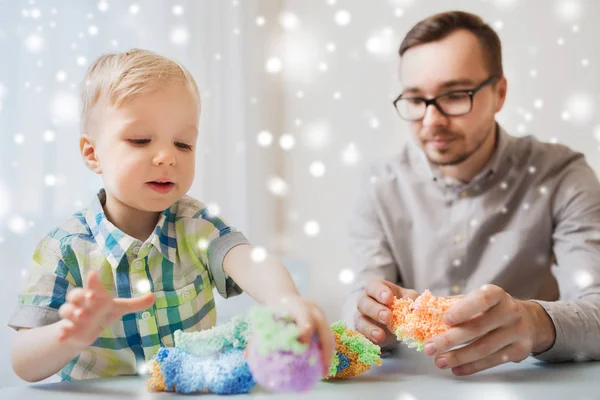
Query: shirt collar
[[116, 243], [501, 152], [164, 236]]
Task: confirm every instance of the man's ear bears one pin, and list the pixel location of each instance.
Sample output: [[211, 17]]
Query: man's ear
[[502, 86], [88, 153]]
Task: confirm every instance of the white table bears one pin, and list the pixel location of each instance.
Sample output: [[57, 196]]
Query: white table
[[407, 376]]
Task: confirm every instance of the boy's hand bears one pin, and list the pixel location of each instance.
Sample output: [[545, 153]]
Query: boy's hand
[[373, 315], [310, 319], [90, 310]]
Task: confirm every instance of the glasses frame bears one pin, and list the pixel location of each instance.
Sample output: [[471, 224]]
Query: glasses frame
[[433, 101]]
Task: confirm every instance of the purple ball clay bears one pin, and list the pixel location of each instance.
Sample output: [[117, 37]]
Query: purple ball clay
[[285, 371]]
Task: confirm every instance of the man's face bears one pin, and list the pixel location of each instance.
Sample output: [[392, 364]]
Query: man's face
[[453, 63]]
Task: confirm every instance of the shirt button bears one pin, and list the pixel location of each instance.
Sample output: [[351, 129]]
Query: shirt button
[[145, 315], [185, 295], [456, 289], [464, 194], [456, 262], [136, 250], [137, 264], [457, 238]]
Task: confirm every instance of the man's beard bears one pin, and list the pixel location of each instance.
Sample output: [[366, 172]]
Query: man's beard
[[455, 161], [460, 158]]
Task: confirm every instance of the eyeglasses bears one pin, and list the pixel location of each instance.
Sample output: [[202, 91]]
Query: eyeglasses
[[451, 104]]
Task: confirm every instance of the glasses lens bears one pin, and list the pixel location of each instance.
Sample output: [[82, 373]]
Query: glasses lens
[[411, 109], [451, 104], [455, 103]]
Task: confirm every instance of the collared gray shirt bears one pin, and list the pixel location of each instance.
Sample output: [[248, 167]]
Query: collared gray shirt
[[529, 222]]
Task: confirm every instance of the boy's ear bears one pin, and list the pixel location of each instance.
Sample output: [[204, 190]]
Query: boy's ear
[[88, 152]]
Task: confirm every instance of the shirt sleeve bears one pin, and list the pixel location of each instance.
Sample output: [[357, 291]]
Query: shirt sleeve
[[49, 281], [576, 210], [219, 239], [369, 248]]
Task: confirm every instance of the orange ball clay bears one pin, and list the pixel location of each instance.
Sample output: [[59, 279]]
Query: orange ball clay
[[156, 383], [415, 321]]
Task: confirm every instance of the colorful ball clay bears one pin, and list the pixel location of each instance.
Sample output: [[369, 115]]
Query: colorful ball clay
[[175, 370], [278, 361], [354, 353], [212, 361], [205, 361]]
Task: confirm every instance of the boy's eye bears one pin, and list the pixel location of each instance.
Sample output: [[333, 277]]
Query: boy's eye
[[139, 142], [183, 146]]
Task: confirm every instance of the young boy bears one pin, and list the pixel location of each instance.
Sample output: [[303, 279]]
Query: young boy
[[111, 285]]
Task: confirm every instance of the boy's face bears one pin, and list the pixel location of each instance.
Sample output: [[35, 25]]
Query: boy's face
[[145, 149]]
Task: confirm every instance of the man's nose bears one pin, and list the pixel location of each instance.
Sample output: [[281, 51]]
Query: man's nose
[[434, 117]]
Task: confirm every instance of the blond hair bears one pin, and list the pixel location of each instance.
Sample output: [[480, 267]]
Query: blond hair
[[120, 77]]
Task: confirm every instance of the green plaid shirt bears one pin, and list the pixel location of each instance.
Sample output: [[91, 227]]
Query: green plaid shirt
[[181, 262]]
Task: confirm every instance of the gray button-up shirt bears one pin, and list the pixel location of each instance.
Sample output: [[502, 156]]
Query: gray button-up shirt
[[529, 222]]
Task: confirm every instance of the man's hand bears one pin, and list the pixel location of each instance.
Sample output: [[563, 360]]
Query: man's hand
[[373, 314], [501, 329], [90, 310]]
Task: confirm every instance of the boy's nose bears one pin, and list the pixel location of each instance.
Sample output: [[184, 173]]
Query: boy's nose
[[164, 158]]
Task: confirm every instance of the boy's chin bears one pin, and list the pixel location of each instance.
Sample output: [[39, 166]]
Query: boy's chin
[[160, 207], [156, 205]]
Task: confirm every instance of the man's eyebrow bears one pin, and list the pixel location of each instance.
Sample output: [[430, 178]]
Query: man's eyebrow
[[446, 85], [457, 82]]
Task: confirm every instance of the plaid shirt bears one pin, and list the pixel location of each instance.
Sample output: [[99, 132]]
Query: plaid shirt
[[180, 263]]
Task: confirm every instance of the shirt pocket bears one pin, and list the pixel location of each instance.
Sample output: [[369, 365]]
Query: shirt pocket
[[517, 260], [528, 244], [189, 308]]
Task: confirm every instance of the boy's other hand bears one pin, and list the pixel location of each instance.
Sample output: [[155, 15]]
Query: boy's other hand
[[310, 319], [91, 309]]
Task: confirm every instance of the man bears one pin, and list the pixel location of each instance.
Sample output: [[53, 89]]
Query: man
[[468, 209]]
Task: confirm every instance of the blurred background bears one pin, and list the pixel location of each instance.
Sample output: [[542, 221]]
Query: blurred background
[[296, 104]]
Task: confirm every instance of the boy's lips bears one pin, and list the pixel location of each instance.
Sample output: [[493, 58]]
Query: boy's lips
[[161, 186]]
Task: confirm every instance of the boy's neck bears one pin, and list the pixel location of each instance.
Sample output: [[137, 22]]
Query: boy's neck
[[135, 223]]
